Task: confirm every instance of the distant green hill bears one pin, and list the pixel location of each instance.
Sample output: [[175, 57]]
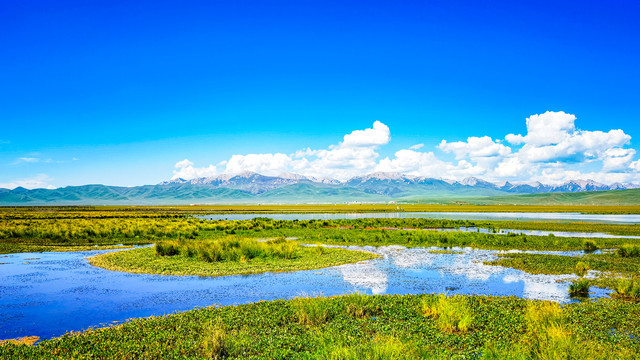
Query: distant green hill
[[373, 191], [611, 197]]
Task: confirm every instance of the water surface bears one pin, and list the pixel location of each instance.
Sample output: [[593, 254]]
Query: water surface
[[47, 294]]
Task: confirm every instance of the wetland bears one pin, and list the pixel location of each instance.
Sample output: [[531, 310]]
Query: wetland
[[330, 287]]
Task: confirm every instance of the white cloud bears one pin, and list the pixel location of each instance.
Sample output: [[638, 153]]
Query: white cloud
[[553, 150], [378, 135], [40, 181], [25, 160], [475, 147], [187, 171], [413, 163], [512, 167], [265, 164], [183, 164], [545, 129], [617, 159]]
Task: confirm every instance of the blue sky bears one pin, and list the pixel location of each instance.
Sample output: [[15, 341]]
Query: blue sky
[[119, 92]]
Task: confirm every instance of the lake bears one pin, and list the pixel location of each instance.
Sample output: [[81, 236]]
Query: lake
[[48, 294]]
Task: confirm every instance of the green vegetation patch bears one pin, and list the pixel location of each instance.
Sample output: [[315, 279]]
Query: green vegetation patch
[[230, 256], [445, 252], [365, 327]]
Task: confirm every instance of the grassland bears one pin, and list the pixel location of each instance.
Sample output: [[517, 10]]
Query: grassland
[[25, 231], [365, 327]]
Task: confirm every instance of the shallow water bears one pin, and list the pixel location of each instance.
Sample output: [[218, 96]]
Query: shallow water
[[520, 216], [47, 294], [540, 233]]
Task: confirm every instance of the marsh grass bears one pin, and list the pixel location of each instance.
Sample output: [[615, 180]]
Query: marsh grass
[[582, 268], [359, 305], [312, 311], [380, 348], [579, 288], [214, 342], [629, 250], [628, 289], [231, 249], [451, 314], [503, 327], [232, 257], [590, 245]]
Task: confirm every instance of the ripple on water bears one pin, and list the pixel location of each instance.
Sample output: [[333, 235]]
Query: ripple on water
[[65, 293]]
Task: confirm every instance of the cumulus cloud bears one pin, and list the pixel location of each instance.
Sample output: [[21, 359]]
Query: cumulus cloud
[[475, 147], [553, 150], [40, 181], [545, 129], [265, 164], [186, 170], [379, 134]]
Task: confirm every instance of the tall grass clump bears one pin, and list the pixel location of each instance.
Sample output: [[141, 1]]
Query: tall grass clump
[[380, 348], [231, 249], [452, 314], [628, 289], [360, 305], [629, 251], [590, 245], [312, 311], [582, 268], [548, 337], [214, 343], [579, 287], [167, 248]]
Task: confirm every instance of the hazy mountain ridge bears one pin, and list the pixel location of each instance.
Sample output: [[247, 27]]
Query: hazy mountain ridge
[[256, 183], [251, 187]]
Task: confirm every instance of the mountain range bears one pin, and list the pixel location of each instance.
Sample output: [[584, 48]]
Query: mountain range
[[254, 188]]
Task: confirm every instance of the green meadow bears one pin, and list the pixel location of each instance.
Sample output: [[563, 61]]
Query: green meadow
[[365, 327]]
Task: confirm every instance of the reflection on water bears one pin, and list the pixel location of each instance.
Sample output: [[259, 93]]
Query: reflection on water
[[365, 276], [58, 292], [518, 216]]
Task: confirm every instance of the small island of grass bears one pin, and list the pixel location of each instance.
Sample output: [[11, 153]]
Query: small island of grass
[[227, 256]]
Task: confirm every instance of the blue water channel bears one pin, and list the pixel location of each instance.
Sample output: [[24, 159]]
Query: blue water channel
[[48, 294]]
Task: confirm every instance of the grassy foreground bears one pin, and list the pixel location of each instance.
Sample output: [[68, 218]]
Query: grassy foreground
[[230, 261], [365, 327]]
